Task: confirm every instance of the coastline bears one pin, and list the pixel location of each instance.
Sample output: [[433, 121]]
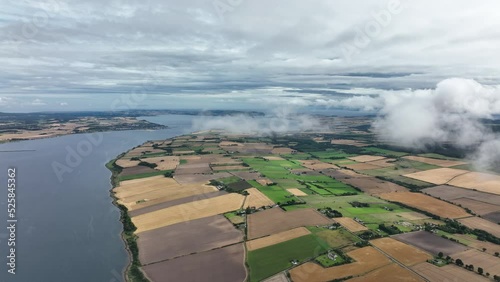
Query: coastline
[[132, 272], [5, 141]]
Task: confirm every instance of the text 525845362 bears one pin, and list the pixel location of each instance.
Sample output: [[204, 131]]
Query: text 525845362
[[11, 220]]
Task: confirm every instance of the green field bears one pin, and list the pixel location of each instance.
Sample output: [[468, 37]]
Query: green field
[[274, 192], [331, 154], [229, 180], [336, 239], [268, 261], [383, 152]]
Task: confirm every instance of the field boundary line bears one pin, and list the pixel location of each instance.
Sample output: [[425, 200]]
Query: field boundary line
[[195, 253]]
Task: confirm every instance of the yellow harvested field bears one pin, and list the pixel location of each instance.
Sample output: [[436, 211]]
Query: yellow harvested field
[[483, 224], [189, 211], [188, 158], [366, 158], [442, 163], [256, 199], [163, 163], [437, 176], [383, 163], [426, 203], [488, 262], [296, 192], [413, 215], [350, 224], [366, 260], [448, 272], [484, 182], [144, 192], [277, 238], [132, 187], [405, 254], [126, 163], [389, 273]]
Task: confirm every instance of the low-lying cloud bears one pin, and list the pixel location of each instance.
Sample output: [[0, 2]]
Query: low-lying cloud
[[450, 113], [278, 122]]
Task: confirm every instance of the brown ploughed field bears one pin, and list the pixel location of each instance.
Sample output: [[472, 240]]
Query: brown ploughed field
[[426, 203], [430, 242], [221, 265], [275, 220]]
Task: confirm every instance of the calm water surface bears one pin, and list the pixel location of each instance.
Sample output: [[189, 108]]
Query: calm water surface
[[68, 229]]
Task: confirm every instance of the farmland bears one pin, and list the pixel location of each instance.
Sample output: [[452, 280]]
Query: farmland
[[447, 273], [487, 262], [188, 211], [479, 223], [350, 224], [389, 273], [270, 260], [280, 208], [225, 265], [426, 203], [264, 223], [430, 243], [366, 259], [277, 238], [405, 254], [178, 240]]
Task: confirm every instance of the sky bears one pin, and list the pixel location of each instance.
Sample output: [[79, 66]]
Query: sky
[[239, 54]]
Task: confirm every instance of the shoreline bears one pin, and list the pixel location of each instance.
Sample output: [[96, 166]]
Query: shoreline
[[6, 141], [133, 259]]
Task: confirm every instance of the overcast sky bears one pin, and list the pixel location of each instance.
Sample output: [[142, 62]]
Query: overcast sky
[[108, 55]]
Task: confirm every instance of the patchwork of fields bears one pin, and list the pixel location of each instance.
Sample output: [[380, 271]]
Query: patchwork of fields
[[213, 206]]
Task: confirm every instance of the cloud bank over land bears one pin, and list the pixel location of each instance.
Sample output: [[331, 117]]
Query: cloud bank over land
[[260, 125], [451, 113]]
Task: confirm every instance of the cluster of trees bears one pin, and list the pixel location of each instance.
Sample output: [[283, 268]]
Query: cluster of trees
[[357, 204], [391, 230], [150, 165], [330, 213], [368, 235], [470, 267], [453, 227]]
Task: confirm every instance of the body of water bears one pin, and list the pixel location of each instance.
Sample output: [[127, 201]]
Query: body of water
[[68, 229]]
